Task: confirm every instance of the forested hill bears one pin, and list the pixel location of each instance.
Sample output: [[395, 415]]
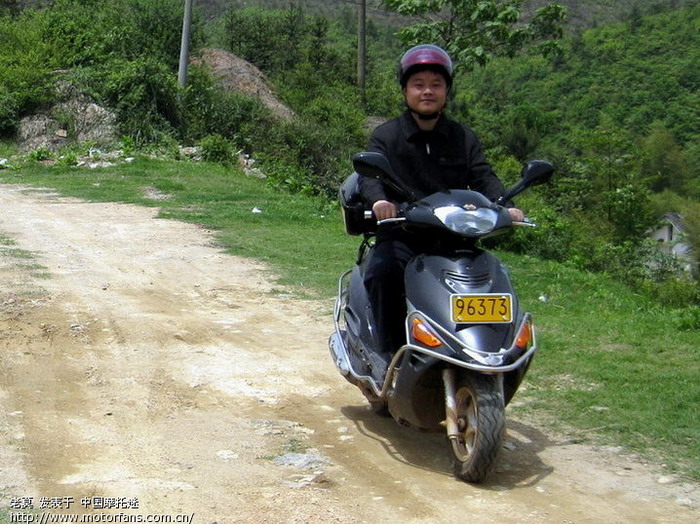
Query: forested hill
[[618, 112], [627, 75], [582, 13]]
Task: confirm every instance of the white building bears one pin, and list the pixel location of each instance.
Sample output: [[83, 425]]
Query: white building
[[671, 237]]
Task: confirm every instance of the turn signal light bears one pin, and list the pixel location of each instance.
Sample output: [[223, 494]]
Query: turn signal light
[[424, 334], [524, 336]]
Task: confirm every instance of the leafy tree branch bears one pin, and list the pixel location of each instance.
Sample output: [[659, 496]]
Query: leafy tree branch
[[473, 31]]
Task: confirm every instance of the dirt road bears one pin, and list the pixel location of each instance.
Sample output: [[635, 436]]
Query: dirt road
[[143, 369]]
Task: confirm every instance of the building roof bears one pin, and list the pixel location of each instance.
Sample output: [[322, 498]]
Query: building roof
[[675, 219]]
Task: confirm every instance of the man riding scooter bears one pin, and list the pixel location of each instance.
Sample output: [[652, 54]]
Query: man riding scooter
[[430, 152]]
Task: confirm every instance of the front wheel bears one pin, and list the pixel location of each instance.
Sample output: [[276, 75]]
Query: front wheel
[[480, 415]]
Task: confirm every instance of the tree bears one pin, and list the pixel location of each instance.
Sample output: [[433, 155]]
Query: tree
[[473, 31], [662, 159]]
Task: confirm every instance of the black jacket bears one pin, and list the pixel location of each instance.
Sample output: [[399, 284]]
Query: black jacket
[[448, 157]]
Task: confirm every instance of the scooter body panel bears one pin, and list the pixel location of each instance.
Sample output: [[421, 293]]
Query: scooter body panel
[[416, 397], [432, 279]]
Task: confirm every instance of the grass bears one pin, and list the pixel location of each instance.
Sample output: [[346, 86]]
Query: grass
[[21, 261], [613, 364], [613, 367]]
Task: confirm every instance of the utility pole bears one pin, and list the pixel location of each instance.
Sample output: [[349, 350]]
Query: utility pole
[[361, 47], [185, 44]]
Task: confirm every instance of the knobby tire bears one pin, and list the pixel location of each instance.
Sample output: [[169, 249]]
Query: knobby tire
[[481, 412]]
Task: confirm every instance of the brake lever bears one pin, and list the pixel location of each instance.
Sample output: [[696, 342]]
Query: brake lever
[[369, 215], [525, 223], [391, 220]]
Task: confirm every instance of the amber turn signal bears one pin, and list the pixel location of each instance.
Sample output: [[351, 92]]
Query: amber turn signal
[[524, 336], [424, 334]]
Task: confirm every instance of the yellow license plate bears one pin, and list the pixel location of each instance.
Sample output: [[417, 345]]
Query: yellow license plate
[[482, 309]]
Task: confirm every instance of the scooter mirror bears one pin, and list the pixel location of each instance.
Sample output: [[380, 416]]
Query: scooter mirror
[[376, 165], [372, 165], [536, 172]]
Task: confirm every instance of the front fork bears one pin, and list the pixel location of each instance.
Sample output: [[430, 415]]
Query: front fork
[[451, 421]]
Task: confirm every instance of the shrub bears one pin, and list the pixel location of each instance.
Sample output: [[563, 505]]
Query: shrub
[[676, 292], [9, 110], [553, 238], [25, 62], [215, 148], [209, 110], [69, 158], [302, 154], [687, 318], [144, 94], [39, 155]]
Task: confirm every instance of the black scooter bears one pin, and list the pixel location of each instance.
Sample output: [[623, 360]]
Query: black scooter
[[468, 343]]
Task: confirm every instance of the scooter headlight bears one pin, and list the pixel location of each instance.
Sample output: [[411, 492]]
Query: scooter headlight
[[467, 221]]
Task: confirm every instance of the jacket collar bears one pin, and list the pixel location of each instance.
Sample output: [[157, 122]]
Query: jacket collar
[[410, 129]]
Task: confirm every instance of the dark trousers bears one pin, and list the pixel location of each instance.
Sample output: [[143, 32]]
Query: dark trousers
[[384, 280]]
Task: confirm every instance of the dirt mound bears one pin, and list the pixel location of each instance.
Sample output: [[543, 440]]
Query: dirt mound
[[75, 118], [235, 74]]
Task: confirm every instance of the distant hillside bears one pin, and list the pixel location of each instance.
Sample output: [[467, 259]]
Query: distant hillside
[[634, 84], [212, 8], [585, 14], [582, 13]]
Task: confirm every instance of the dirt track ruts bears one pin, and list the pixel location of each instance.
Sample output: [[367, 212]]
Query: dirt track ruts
[[138, 361]]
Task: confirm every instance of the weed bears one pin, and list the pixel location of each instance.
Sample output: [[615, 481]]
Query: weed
[[39, 155], [295, 445]]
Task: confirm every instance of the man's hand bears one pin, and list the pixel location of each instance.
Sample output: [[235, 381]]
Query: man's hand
[[384, 209], [516, 215]]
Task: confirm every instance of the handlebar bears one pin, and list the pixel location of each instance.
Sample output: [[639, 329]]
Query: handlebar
[[368, 215], [391, 220]]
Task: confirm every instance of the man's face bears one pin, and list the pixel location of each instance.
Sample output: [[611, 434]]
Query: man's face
[[426, 92]]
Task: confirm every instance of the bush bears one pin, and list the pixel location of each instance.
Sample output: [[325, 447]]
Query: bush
[[209, 110], [215, 148], [553, 238], [144, 94], [69, 158], [93, 33], [39, 155], [25, 62], [687, 318], [301, 155], [676, 292], [9, 111]]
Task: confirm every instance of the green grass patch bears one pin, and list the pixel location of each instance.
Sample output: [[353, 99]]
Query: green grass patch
[[21, 261], [613, 366], [612, 363], [6, 241]]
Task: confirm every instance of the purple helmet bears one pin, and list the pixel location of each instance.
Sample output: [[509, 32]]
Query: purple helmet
[[428, 55]]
